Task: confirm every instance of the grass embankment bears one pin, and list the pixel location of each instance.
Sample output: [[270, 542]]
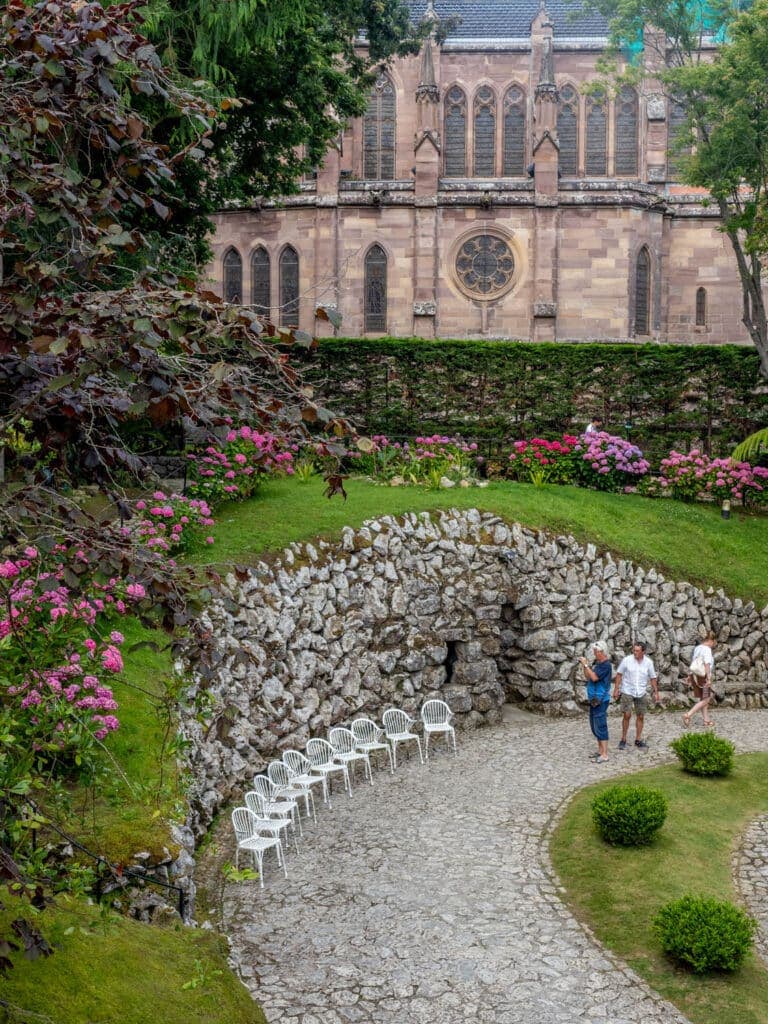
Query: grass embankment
[[116, 971], [618, 891], [688, 542]]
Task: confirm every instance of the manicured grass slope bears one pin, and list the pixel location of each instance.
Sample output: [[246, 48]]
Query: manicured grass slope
[[688, 542], [115, 971], [617, 891]]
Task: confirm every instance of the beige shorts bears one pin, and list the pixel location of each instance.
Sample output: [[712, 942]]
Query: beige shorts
[[637, 704]]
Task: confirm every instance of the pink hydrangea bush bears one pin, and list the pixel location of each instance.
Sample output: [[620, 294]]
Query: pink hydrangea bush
[[425, 460], [57, 648], [608, 463], [695, 476], [552, 460], [171, 522], [235, 468]]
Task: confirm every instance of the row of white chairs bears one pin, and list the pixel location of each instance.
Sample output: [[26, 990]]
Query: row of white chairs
[[272, 806]]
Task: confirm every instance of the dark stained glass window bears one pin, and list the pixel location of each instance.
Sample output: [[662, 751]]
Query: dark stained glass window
[[379, 131], [376, 289], [455, 133], [701, 307], [260, 280], [289, 287], [514, 133], [676, 120], [643, 292], [233, 276], [568, 131], [596, 161], [485, 265], [485, 133], [626, 132]]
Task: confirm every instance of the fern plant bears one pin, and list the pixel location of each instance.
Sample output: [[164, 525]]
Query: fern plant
[[751, 447]]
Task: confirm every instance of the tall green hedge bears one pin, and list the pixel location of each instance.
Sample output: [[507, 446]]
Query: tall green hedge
[[671, 395]]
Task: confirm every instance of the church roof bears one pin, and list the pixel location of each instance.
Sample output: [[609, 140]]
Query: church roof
[[511, 19]]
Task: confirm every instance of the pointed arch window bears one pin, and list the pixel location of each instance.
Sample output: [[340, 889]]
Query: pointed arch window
[[455, 133], [642, 317], [379, 125], [260, 281], [485, 132], [676, 123], [626, 132], [289, 287], [514, 133], [701, 307], [375, 289], [596, 161], [233, 276], [568, 130]]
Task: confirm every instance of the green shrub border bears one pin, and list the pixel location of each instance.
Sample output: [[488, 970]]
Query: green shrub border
[[498, 391]]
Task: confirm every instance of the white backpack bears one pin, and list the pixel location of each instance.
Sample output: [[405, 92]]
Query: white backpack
[[698, 666]]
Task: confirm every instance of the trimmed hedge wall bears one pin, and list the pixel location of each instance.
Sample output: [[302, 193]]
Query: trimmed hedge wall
[[672, 395]]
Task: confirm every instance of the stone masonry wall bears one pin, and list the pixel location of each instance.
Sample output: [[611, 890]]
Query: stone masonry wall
[[463, 606]]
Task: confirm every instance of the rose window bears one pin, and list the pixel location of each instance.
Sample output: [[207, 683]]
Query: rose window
[[485, 265]]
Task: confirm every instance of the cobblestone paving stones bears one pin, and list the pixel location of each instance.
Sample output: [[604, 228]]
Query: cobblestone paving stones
[[751, 869], [429, 898]]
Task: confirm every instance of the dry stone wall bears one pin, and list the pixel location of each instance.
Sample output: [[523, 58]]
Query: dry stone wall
[[460, 605]]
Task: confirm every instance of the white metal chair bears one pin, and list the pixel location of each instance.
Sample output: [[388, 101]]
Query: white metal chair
[[265, 822], [368, 738], [397, 729], [286, 784], [275, 803], [320, 755], [345, 750], [302, 773], [247, 838], [436, 718]]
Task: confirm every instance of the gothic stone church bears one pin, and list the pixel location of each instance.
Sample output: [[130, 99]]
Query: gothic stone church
[[485, 195]]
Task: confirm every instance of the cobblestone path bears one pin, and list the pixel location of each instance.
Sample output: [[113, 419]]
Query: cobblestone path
[[429, 897]]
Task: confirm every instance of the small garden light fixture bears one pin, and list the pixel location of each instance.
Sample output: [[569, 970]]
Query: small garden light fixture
[[725, 511]]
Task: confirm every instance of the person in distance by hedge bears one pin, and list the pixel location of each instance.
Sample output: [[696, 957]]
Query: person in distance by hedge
[[594, 426], [636, 673], [702, 687], [598, 677]]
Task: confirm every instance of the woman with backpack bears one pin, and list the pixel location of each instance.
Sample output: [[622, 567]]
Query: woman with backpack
[[700, 678]]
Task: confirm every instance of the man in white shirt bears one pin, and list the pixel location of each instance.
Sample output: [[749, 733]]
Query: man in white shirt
[[635, 674]]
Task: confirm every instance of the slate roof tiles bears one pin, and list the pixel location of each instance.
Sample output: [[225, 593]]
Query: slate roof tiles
[[507, 19]]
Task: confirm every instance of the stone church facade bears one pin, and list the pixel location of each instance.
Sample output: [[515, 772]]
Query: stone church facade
[[485, 194]]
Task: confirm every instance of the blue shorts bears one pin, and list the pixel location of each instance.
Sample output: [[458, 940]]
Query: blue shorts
[[598, 720]]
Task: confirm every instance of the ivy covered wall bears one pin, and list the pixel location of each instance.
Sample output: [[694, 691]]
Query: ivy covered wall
[[670, 395]]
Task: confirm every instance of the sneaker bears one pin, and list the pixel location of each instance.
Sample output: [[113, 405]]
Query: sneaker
[[600, 760], [641, 744], [622, 744]]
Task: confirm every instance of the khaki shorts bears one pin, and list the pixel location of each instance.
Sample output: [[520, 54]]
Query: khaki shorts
[[637, 704]]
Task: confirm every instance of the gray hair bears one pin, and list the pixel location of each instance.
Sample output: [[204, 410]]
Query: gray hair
[[602, 646]]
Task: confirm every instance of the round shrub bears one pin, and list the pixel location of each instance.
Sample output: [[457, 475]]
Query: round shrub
[[629, 815], [702, 753], [705, 934]]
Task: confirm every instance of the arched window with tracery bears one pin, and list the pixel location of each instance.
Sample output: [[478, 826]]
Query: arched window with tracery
[[701, 307], [642, 311], [233, 276], [375, 289], [568, 130], [626, 113], [289, 287], [379, 125], [260, 281], [485, 132], [455, 133], [514, 133], [596, 161]]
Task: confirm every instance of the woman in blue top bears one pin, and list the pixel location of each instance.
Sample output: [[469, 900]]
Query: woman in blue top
[[598, 677]]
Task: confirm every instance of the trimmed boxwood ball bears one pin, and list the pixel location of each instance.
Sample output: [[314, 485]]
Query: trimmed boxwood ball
[[705, 934], [703, 753], [629, 815]]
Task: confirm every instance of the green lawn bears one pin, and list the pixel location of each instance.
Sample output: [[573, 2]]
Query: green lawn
[[109, 970], [617, 891], [690, 542]]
